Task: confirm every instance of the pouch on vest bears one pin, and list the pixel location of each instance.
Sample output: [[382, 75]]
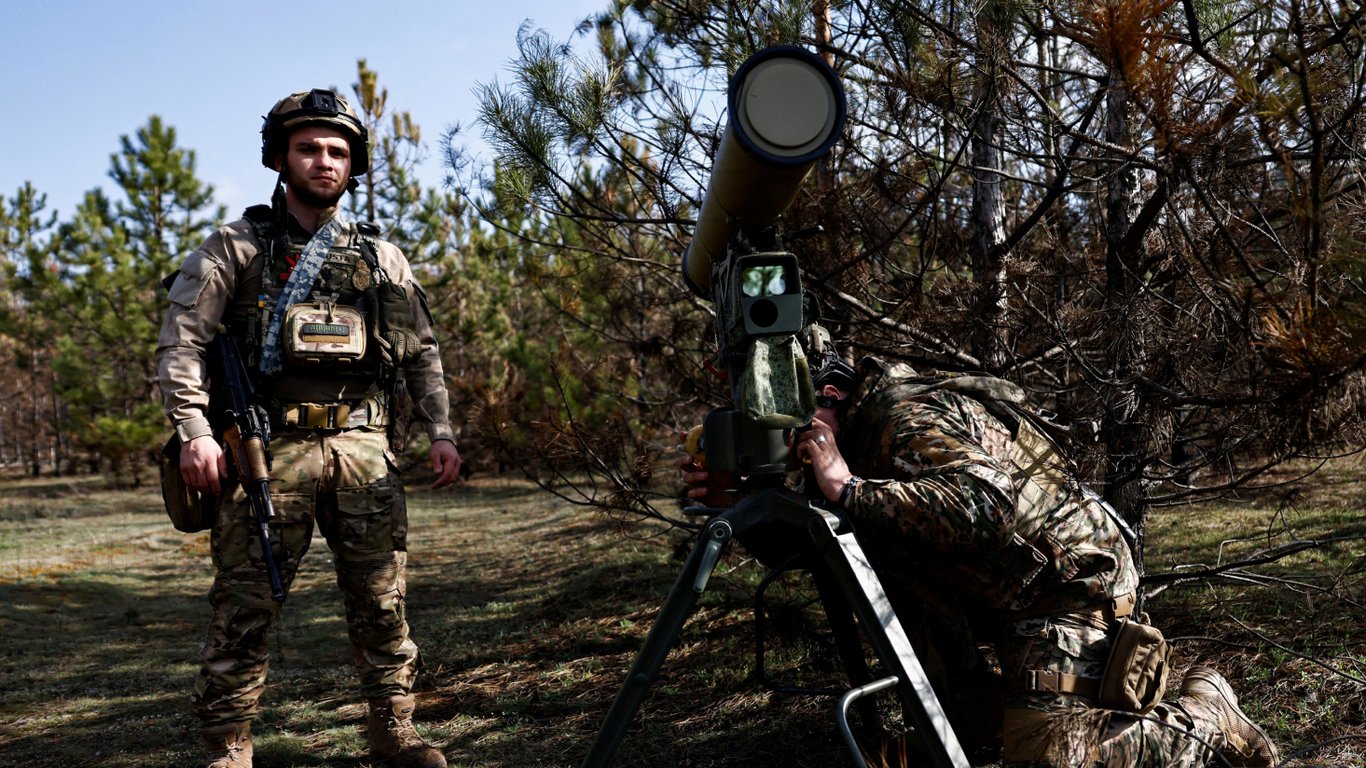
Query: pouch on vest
[[189, 511], [396, 331], [1136, 673], [324, 335]]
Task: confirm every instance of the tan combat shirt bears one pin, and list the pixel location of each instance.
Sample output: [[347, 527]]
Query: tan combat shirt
[[221, 281]]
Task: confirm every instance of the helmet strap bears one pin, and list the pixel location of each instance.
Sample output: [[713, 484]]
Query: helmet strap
[[277, 199]]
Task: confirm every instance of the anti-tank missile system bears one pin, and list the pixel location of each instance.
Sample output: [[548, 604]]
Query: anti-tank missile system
[[786, 110]]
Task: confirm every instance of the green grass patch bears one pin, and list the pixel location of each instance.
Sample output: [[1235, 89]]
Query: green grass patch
[[530, 611]]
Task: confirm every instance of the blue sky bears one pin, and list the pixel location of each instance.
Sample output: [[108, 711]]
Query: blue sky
[[75, 75]]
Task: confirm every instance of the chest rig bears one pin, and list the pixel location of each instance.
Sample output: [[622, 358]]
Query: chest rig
[[355, 320]]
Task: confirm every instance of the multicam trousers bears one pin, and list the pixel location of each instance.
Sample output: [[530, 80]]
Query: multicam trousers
[[346, 481], [1049, 730]]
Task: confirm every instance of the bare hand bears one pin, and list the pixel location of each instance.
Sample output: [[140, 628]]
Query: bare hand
[[694, 476], [203, 464], [446, 463], [827, 463], [712, 489]]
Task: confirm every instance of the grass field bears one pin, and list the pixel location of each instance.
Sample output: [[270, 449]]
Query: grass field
[[529, 612]]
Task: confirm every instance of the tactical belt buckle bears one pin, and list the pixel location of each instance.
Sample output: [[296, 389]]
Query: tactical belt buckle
[[1062, 682], [1122, 607], [317, 415], [1105, 616], [370, 412]]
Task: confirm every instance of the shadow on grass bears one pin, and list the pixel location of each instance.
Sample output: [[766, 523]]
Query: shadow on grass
[[534, 643], [527, 614]]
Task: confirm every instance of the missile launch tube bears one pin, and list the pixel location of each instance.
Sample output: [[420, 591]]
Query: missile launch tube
[[785, 111]]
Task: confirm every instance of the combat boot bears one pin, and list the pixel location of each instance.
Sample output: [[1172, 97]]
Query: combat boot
[[229, 745], [393, 737], [1246, 745]]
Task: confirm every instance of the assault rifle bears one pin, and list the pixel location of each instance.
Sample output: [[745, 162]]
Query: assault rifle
[[248, 438]]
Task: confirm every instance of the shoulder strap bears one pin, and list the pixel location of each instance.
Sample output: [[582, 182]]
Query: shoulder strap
[[262, 220], [367, 238]]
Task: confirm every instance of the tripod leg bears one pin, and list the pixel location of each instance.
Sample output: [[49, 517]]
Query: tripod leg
[[847, 642], [679, 605], [851, 571]]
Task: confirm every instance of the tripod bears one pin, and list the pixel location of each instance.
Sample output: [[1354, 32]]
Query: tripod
[[845, 573]]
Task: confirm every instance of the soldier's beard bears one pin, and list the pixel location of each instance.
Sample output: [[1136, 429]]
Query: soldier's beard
[[313, 199], [319, 201]]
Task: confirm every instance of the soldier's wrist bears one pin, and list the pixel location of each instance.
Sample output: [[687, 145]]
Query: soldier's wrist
[[195, 426], [848, 490]]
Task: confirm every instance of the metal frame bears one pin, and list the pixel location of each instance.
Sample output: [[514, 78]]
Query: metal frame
[[854, 581]]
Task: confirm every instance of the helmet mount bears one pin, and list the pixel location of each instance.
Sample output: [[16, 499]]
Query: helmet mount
[[827, 366]]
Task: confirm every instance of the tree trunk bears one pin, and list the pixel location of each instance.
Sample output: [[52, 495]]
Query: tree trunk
[[989, 342], [59, 452], [1124, 428], [34, 432]]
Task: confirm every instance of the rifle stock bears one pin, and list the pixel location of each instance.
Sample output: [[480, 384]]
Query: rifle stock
[[248, 439]]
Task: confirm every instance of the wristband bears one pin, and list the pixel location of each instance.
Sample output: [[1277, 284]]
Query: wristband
[[847, 492]]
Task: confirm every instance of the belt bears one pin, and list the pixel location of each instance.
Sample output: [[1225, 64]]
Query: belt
[[1062, 682], [1115, 609], [1105, 616], [1101, 617], [369, 412]]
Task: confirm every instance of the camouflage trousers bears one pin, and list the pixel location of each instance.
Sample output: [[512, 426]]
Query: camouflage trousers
[[346, 482], [1051, 730]]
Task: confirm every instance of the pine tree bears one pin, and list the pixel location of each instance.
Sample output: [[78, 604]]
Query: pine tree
[[1176, 187], [389, 194], [27, 401], [111, 259]]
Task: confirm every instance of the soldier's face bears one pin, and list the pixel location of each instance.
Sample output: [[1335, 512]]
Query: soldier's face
[[317, 165]]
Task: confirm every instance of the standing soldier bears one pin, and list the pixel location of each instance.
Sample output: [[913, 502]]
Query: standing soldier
[[333, 327]]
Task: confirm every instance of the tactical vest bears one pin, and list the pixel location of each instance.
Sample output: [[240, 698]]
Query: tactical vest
[[350, 277]]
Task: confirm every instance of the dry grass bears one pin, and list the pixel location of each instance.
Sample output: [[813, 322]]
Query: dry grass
[[529, 612], [1291, 633]]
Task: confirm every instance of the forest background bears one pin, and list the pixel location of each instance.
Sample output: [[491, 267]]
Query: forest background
[[1150, 214]]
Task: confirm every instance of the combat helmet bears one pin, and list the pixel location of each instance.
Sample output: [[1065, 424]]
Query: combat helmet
[[827, 366], [318, 106]]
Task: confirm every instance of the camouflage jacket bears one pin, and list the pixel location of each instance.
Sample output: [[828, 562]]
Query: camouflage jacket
[[221, 283], [982, 511]]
